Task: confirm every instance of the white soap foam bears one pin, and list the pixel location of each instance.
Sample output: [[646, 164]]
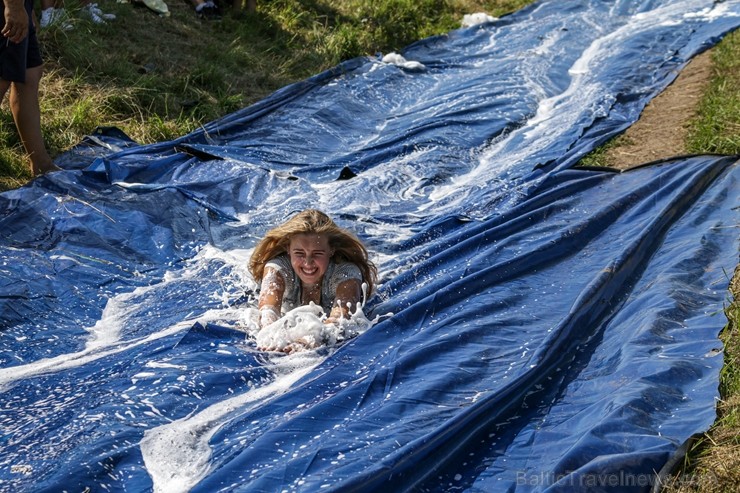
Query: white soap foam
[[477, 18], [305, 328], [400, 61], [554, 114]]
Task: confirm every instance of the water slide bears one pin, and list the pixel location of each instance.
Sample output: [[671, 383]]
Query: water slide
[[536, 327]]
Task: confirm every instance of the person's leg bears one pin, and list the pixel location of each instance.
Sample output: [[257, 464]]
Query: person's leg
[[48, 4], [24, 104], [4, 85]]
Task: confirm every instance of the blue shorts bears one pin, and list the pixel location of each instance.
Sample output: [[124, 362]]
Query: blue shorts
[[15, 58]]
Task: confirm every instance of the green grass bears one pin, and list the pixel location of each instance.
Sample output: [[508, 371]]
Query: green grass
[[717, 128]]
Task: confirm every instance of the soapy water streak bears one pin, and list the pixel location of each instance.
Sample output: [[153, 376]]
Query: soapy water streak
[[177, 455], [103, 342], [537, 140], [123, 313]]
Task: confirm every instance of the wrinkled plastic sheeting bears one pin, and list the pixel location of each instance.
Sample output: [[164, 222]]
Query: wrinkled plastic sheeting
[[551, 329]]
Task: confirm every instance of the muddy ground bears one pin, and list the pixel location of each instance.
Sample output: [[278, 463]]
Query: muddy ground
[[661, 130]]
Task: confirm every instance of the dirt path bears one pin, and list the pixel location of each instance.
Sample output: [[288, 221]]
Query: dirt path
[[661, 130]]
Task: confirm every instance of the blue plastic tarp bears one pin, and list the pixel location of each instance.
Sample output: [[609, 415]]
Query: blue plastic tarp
[[537, 327]]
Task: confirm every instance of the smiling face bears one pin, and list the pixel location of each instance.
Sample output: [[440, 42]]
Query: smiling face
[[309, 255]]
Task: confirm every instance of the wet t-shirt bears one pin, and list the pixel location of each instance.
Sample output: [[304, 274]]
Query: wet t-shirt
[[335, 274]]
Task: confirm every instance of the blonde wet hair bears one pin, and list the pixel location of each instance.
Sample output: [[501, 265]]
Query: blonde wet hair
[[345, 245]]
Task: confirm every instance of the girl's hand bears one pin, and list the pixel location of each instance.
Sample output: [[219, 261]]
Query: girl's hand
[[348, 295], [268, 315]]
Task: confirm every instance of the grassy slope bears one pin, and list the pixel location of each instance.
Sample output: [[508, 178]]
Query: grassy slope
[[159, 78]]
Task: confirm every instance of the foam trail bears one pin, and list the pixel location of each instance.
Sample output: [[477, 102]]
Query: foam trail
[[105, 332], [120, 310], [541, 130], [177, 455], [93, 352]]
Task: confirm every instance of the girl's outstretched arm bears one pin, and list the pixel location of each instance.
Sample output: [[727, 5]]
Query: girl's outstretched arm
[[271, 296]]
